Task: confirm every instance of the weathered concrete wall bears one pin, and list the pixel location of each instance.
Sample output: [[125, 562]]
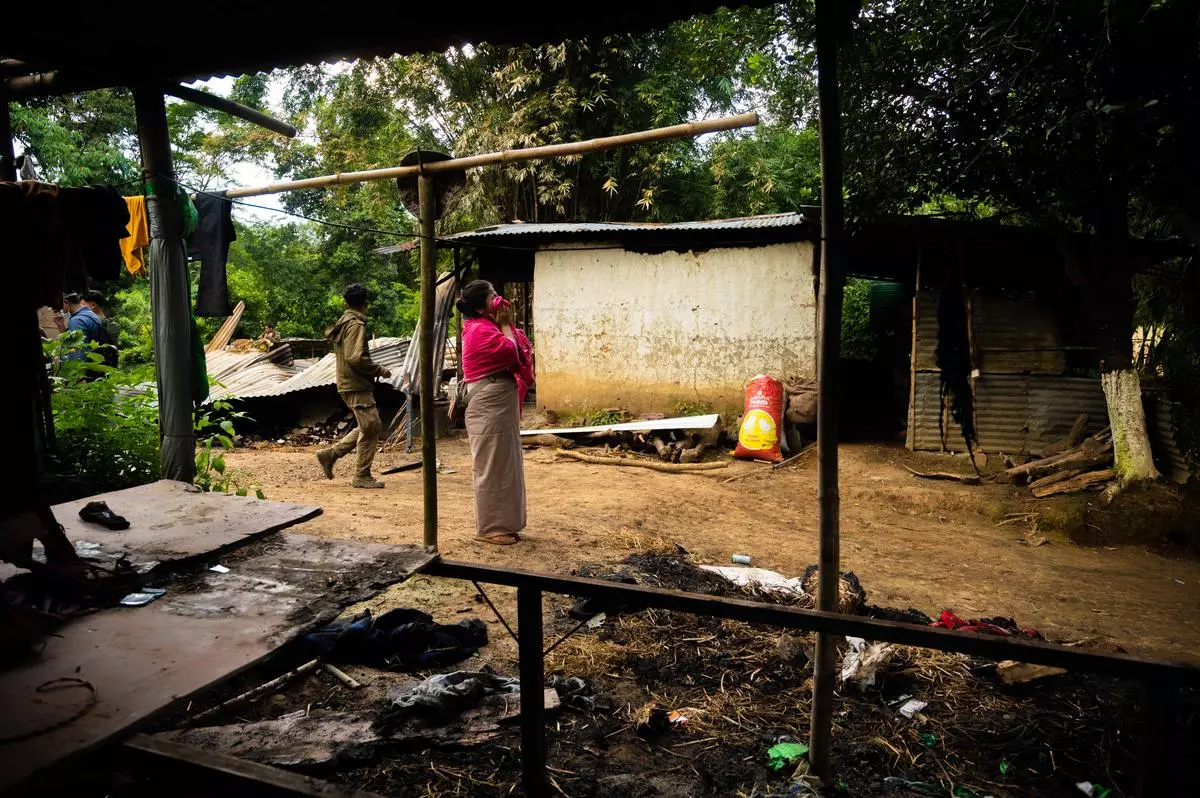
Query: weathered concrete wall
[[646, 331]]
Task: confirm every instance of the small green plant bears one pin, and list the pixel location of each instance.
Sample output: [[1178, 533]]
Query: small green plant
[[214, 437], [105, 419], [602, 418], [686, 408]]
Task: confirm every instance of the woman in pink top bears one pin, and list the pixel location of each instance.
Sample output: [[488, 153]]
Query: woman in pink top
[[492, 359]]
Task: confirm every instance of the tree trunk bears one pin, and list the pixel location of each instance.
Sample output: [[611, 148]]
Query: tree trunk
[[1132, 459]]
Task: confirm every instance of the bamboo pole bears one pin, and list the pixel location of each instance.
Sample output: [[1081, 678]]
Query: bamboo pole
[[688, 130], [169, 301], [426, 193], [829, 21], [230, 107]]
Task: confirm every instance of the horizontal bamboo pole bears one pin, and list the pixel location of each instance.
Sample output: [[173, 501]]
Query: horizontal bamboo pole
[[689, 130], [230, 107]]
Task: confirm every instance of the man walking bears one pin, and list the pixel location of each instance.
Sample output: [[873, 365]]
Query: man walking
[[80, 318], [110, 333], [356, 374]]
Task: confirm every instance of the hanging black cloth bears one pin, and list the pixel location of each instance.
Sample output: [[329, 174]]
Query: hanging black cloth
[[210, 245]]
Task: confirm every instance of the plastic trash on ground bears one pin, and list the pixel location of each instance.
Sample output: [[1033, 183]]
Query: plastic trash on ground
[[760, 578], [142, 597], [862, 661], [781, 755]]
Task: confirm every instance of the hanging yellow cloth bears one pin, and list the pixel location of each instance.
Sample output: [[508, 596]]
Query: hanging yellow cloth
[[139, 234]]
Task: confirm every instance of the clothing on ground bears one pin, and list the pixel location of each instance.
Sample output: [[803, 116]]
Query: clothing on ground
[[209, 244], [355, 369], [401, 638], [447, 694], [992, 626], [497, 461], [365, 437], [139, 235]]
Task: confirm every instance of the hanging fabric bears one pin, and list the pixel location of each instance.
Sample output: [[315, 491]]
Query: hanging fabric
[[139, 235], [210, 245]]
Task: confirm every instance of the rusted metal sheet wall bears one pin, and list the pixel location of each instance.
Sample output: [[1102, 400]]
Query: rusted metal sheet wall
[[927, 329], [1015, 336], [1168, 456], [1015, 413]]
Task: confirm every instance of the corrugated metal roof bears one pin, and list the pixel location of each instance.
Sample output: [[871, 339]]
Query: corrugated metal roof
[[387, 352], [409, 374], [1015, 413], [396, 249], [633, 230], [80, 45], [233, 374]]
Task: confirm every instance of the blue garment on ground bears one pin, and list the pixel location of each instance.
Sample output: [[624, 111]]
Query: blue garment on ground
[[401, 638]]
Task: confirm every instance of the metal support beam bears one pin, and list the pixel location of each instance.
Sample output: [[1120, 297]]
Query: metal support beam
[[428, 199], [169, 300], [230, 775], [230, 107], [830, 20], [533, 685], [1123, 666]]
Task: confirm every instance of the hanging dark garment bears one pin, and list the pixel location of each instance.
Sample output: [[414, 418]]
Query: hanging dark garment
[[210, 245]]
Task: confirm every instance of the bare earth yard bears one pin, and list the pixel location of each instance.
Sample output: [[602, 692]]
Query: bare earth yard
[[913, 543]]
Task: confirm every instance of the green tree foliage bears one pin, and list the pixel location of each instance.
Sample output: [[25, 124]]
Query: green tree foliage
[[776, 169], [107, 429], [1064, 115]]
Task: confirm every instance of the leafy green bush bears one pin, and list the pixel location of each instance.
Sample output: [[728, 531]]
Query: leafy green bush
[[214, 436], [106, 428], [858, 339]]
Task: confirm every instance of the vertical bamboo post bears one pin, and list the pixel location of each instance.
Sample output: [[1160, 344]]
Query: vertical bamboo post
[[428, 202], [533, 683], [169, 300], [8, 167], [830, 17]]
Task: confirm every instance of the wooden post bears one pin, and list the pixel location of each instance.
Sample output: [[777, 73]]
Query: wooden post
[[8, 167], [428, 200], [169, 301], [830, 19], [911, 443], [533, 685]]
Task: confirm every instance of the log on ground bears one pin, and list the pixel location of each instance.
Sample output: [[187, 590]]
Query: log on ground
[[670, 468], [1075, 484]]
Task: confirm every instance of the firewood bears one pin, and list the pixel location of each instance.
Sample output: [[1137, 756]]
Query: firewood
[[1057, 476], [1075, 484], [670, 468], [1089, 454], [966, 479], [663, 448], [548, 440], [1073, 439]]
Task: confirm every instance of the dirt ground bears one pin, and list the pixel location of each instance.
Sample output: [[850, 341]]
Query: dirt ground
[[912, 542]]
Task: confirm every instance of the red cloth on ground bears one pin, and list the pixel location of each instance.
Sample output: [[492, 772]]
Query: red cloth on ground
[[948, 620]]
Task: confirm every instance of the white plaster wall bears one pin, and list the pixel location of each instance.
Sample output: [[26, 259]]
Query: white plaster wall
[[645, 331]]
